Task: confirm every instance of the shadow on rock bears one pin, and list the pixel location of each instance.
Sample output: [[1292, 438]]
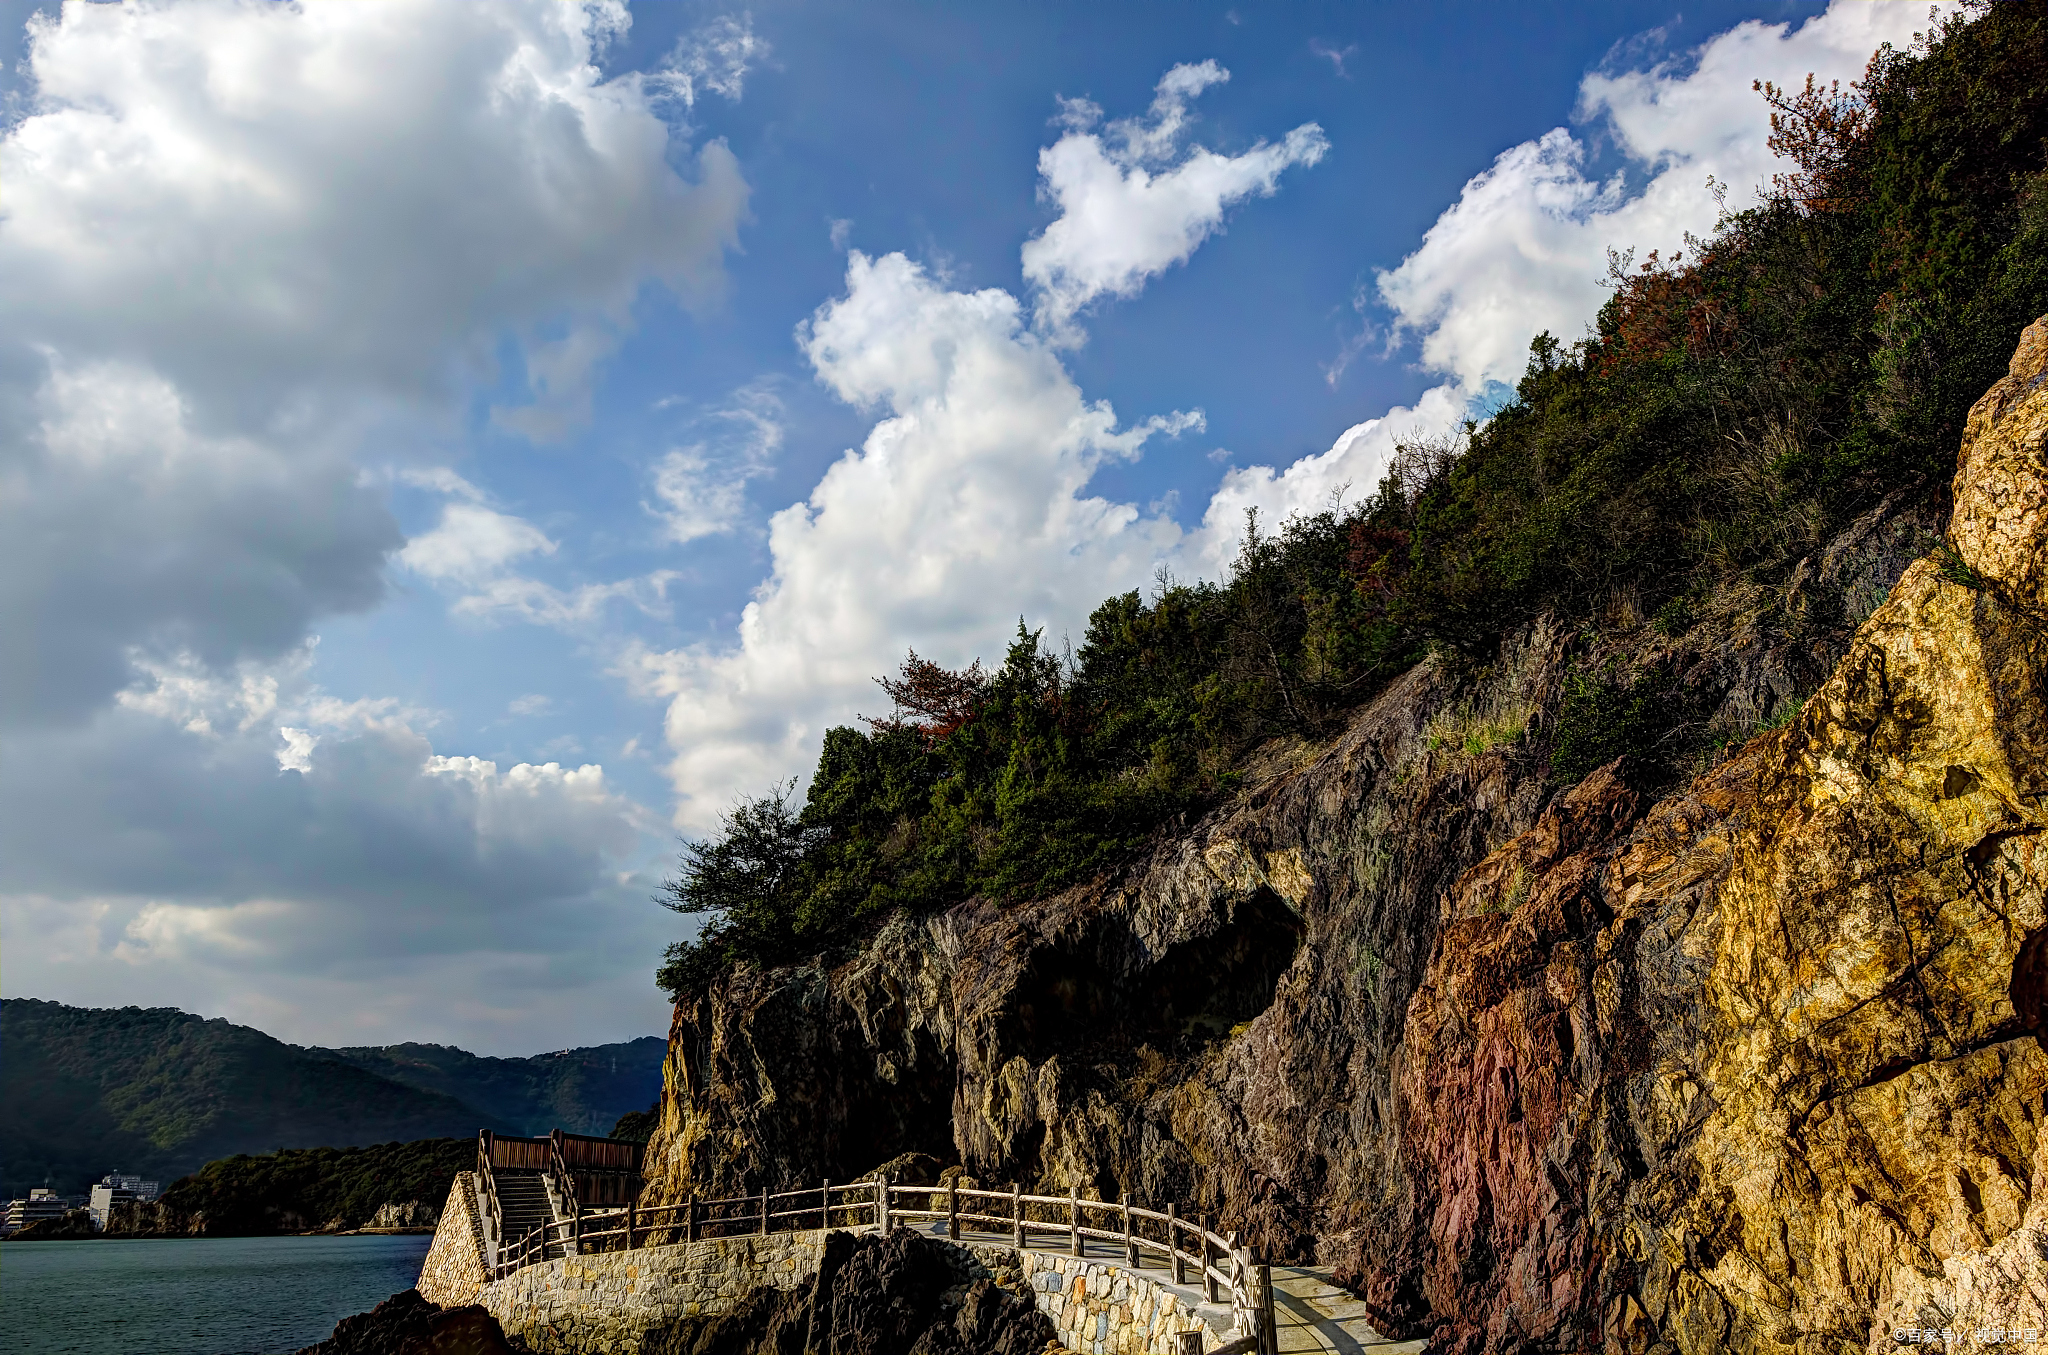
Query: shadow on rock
[[897, 1295]]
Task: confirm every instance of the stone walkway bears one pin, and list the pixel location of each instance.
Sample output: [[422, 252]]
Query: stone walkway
[[1312, 1314]]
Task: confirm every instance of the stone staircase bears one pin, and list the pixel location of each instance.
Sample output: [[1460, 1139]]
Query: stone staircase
[[525, 1203]]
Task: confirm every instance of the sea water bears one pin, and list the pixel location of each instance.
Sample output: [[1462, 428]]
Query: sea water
[[194, 1296]]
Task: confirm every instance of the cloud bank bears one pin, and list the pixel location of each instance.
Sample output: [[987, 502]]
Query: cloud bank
[[247, 248]]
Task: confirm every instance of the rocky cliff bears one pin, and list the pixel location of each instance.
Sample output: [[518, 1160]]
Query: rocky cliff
[[1750, 1059]]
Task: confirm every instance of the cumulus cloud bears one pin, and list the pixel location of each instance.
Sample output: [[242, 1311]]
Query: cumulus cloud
[[1351, 469], [1132, 205], [123, 523], [260, 199], [966, 503], [328, 847], [237, 237], [1523, 249]]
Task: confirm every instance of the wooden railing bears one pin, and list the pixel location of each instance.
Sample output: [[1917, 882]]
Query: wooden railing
[[583, 1172], [1188, 1249], [511, 1153], [578, 1171]]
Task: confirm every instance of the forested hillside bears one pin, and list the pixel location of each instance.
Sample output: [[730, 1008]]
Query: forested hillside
[[1656, 487], [159, 1092], [584, 1091], [299, 1189]]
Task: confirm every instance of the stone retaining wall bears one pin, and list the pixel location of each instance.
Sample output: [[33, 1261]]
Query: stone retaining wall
[[454, 1272], [1104, 1309], [606, 1303]]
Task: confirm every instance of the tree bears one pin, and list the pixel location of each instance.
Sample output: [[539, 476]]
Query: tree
[[747, 879]]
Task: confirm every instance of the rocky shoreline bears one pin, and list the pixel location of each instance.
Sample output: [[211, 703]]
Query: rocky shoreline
[[902, 1294]]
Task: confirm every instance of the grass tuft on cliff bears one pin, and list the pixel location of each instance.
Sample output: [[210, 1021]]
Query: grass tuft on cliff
[[1734, 408]]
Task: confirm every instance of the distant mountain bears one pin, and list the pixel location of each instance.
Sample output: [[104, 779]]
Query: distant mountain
[[584, 1091], [160, 1092]]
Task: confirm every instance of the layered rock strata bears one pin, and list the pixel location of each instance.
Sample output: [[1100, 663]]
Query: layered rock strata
[[1751, 1063]]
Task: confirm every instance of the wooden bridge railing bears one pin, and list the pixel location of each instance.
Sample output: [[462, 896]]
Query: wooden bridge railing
[[1188, 1249]]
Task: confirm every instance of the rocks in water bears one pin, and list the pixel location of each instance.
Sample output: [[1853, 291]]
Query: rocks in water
[[406, 1214], [73, 1224], [903, 1294], [407, 1324]]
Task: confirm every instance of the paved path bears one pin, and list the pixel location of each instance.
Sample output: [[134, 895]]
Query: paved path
[[1311, 1314]]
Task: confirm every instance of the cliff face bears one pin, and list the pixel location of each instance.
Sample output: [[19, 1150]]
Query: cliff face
[[1757, 1063]]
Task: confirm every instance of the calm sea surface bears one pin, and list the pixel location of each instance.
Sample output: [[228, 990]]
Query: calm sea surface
[[194, 1296]]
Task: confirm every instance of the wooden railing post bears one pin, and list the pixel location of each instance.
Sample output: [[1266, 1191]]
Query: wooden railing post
[[825, 1203], [1017, 1214], [1074, 1219], [1130, 1243], [953, 1210], [881, 1202], [764, 1211], [1268, 1335], [1208, 1276], [630, 1219], [576, 1229], [690, 1220], [1173, 1242]]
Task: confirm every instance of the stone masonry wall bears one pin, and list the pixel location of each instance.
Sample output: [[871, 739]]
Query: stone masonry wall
[[1104, 1309], [606, 1302], [454, 1272]]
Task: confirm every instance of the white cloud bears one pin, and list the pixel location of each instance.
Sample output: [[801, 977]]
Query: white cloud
[[714, 58], [1524, 248], [240, 844], [513, 597], [702, 486], [1336, 56], [1131, 206], [965, 507], [472, 542], [473, 547], [533, 703], [297, 753], [1350, 470]]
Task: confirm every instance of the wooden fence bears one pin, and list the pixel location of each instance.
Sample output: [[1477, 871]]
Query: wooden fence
[[1188, 1248]]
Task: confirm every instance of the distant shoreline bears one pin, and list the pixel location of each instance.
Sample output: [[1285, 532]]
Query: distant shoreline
[[220, 1237]]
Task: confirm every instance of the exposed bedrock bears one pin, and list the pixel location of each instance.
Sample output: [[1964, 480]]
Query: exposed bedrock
[[1753, 1063]]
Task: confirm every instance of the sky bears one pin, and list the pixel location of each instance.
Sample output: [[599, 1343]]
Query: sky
[[448, 452]]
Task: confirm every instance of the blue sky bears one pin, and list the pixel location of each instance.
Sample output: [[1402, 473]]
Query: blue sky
[[446, 451]]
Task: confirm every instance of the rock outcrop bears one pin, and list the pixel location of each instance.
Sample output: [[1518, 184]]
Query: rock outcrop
[[406, 1324], [404, 1216], [1753, 1060], [897, 1295]]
